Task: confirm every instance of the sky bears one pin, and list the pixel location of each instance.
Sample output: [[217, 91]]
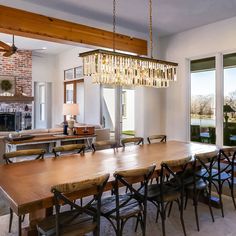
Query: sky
[[203, 83]]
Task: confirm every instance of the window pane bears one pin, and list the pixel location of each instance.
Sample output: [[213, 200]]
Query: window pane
[[69, 93], [229, 99], [203, 101], [42, 94], [42, 111]]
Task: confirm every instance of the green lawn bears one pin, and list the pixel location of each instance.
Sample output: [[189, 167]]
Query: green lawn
[[128, 132]]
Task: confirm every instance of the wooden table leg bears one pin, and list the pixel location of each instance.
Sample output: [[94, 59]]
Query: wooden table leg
[[34, 218]]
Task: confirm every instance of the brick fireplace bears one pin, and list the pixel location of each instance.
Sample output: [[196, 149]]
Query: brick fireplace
[[18, 65]]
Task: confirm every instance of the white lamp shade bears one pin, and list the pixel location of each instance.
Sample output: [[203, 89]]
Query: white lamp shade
[[71, 109]]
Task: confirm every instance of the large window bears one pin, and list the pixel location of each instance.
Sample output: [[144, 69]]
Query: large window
[[229, 108], [203, 100]]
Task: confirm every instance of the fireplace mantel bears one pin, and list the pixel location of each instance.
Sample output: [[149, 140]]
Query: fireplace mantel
[[16, 98]]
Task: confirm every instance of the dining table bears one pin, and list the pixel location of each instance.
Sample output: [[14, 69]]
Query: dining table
[[25, 186]]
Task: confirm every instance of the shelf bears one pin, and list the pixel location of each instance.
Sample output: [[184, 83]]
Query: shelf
[[16, 98]]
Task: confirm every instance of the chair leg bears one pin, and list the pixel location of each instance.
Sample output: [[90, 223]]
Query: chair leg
[[158, 212], [10, 220], [171, 204], [181, 207], [122, 227], [186, 200], [209, 204], [195, 204], [143, 225], [220, 198], [232, 194], [136, 225], [19, 225], [163, 218]]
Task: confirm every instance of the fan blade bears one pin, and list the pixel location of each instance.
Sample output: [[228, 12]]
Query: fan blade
[[5, 46], [3, 50], [8, 54]]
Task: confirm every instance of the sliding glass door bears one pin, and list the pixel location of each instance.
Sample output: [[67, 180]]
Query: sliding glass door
[[203, 119], [229, 109]]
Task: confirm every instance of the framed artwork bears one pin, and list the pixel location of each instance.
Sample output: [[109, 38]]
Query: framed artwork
[[78, 72], [7, 85], [69, 74]]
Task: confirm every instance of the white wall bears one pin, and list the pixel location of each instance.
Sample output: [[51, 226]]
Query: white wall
[[200, 42], [91, 112], [44, 70]]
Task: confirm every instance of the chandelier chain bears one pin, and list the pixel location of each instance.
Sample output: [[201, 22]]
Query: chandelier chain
[[150, 28], [114, 25]]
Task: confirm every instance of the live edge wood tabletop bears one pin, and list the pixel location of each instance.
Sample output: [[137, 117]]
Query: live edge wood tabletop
[[26, 186]]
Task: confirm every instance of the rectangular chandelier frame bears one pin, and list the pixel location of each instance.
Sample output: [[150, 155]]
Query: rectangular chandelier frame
[[115, 68]]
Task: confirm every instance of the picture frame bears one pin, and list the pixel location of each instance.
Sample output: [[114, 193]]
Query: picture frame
[[7, 85]]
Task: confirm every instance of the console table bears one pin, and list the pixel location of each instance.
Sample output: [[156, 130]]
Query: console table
[[53, 140]]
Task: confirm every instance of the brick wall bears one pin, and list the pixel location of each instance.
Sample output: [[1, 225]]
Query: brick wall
[[20, 66]]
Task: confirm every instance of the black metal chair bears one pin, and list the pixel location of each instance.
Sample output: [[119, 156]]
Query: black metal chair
[[77, 148], [119, 208], [26, 155], [225, 167], [199, 181], [156, 138], [79, 220], [170, 189]]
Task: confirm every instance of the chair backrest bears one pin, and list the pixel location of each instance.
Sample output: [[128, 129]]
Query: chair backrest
[[125, 177], [158, 137], [207, 161], [78, 148], [99, 145], [92, 208], [135, 140], [227, 158], [39, 153], [173, 173]]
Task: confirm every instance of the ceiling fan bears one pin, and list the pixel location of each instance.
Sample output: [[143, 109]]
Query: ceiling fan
[[8, 50]]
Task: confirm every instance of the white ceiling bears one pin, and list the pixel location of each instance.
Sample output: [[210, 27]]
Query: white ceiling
[[36, 45], [170, 16]]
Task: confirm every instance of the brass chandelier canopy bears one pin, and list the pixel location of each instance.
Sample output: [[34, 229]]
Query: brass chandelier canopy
[[121, 69]]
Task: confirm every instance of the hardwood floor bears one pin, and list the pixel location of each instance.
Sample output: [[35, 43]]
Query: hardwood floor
[[222, 227]]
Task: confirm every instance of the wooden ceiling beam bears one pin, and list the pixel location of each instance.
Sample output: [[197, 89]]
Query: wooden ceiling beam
[[23, 23]]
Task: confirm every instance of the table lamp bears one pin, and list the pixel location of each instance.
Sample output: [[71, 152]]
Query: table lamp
[[71, 109]]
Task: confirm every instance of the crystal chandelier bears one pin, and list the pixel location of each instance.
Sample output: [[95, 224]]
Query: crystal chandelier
[[120, 69]]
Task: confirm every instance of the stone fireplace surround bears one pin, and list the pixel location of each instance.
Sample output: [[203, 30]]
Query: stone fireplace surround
[[18, 65]]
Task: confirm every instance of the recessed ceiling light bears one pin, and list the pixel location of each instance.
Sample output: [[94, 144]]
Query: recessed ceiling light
[[44, 48]]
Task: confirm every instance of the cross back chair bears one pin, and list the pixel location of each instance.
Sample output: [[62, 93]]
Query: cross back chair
[[170, 189], [210, 175], [135, 140], [198, 183], [78, 148], [226, 166], [156, 138], [80, 220], [119, 208], [100, 145], [10, 158]]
